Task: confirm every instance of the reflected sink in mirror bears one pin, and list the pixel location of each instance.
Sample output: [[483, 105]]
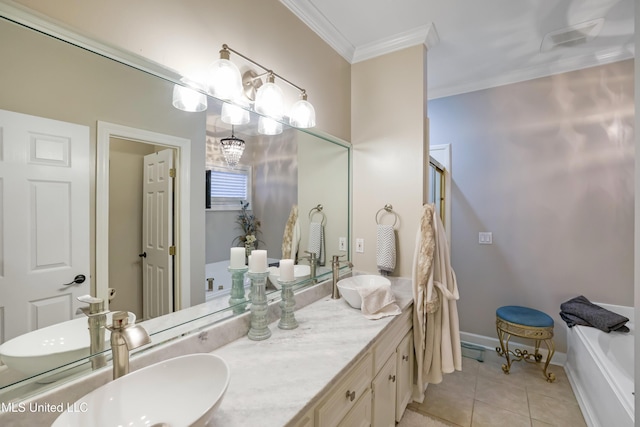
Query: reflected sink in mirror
[[48, 348], [349, 287], [184, 391], [300, 272]]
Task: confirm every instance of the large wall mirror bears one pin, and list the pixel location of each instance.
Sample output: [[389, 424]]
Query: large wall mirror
[[79, 134]]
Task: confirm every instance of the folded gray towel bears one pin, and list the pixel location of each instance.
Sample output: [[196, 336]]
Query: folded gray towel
[[581, 311]]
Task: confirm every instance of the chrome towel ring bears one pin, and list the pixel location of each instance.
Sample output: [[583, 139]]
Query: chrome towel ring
[[388, 209], [318, 210]]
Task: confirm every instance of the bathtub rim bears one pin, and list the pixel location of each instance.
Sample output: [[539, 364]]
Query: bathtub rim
[[577, 334]]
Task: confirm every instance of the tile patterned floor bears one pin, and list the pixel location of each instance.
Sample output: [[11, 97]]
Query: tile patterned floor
[[481, 395]]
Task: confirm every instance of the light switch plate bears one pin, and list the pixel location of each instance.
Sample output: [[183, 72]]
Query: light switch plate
[[485, 238], [342, 244], [360, 246]]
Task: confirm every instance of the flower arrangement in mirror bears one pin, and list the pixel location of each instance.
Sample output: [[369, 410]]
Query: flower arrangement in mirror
[[250, 226]]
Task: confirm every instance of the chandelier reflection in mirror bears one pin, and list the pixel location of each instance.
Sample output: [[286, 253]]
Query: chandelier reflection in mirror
[[225, 82], [232, 149]]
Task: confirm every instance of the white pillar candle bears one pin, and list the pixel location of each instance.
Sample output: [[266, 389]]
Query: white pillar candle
[[258, 261], [286, 270], [237, 258]]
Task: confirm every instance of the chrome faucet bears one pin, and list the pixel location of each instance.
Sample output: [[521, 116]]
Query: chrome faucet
[[124, 338], [97, 321], [313, 262], [335, 269]]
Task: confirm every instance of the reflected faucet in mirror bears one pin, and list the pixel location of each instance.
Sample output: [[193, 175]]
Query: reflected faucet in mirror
[[97, 321], [313, 262]]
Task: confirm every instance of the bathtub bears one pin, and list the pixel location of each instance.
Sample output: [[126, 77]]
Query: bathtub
[[600, 369]]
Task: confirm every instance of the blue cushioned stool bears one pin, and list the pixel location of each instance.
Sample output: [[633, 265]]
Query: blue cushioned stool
[[524, 322]]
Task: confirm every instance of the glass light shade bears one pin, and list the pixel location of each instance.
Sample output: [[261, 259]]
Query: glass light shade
[[225, 81], [232, 149], [270, 101], [303, 115], [234, 114], [267, 126], [187, 99]]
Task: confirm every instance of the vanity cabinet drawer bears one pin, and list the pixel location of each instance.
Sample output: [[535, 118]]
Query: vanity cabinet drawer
[[360, 414], [347, 394], [386, 345]]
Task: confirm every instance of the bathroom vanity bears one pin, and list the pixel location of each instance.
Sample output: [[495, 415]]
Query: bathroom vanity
[[336, 368]]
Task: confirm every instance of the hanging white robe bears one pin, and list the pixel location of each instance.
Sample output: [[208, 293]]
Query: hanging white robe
[[435, 292]]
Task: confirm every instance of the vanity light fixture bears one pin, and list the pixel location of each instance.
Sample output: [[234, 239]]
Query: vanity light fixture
[[269, 100], [225, 81], [268, 126], [232, 149], [236, 113], [189, 99]]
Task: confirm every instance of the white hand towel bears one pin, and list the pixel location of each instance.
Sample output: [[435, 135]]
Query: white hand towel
[[316, 241], [386, 249], [378, 301]]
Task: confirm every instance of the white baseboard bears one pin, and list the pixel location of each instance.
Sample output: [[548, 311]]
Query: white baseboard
[[490, 344]]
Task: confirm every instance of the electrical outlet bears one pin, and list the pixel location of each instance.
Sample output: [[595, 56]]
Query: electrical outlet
[[360, 246], [342, 244], [485, 238]]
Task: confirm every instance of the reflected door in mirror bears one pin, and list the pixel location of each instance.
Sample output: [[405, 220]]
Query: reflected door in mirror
[[44, 212]]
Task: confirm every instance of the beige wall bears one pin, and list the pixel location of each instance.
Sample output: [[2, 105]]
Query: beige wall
[[187, 35], [547, 166], [390, 145]]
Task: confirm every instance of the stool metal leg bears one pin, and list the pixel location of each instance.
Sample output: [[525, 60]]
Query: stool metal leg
[[503, 350], [550, 351]]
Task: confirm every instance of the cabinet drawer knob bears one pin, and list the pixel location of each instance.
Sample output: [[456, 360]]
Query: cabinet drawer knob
[[405, 358], [392, 378], [351, 395]]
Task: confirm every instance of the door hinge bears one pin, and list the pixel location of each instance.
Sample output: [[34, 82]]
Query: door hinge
[[172, 250], [172, 172]]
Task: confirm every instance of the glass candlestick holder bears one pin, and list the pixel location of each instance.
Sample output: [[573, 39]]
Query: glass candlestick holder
[[287, 318], [259, 329], [238, 302]]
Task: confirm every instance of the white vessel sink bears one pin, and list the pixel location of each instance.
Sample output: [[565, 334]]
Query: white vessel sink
[[300, 272], [183, 391], [349, 287], [48, 348]]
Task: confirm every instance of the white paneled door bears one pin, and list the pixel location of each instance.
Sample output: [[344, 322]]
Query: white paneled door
[[44, 221], [157, 234]]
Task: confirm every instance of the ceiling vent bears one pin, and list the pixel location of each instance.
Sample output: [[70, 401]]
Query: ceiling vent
[[572, 36]]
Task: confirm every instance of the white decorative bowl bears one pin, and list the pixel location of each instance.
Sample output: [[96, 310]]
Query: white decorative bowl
[[349, 287]]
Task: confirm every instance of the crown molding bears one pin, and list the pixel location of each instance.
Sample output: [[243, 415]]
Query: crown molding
[[426, 35], [315, 20], [318, 23], [558, 67]]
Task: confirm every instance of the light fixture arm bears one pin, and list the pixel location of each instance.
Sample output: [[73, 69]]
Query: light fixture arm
[[226, 49]]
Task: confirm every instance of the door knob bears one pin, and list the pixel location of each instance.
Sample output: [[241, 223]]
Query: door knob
[[80, 278], [143, 255]]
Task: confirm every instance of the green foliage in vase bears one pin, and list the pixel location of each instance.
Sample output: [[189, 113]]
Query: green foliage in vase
[[249, 224]]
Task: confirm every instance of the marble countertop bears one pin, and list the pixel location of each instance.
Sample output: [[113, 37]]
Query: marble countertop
[[274, 380]]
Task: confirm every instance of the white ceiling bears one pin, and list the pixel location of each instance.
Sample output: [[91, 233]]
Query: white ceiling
[[472, 44]]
